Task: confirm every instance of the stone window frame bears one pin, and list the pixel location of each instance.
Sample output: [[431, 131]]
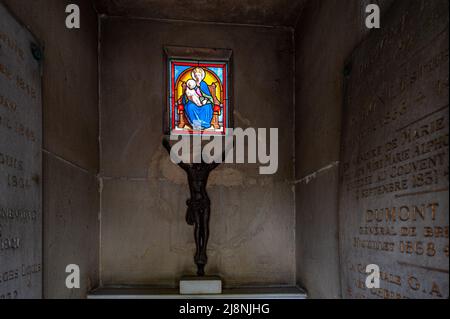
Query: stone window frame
[[209, 55]]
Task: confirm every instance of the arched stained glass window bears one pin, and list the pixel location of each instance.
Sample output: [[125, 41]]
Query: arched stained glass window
[[198, 96]]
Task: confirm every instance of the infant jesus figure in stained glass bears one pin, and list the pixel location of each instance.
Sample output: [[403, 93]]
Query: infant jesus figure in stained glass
[[193, 94]]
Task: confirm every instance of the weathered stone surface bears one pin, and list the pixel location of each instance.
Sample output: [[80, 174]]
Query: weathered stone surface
[[263, 12], [70, 129], [145, 239], [326, 34], [394, 163], [70, 90], [71, 204], [20, 162], [144, 195], [131, 111], [317, 237]]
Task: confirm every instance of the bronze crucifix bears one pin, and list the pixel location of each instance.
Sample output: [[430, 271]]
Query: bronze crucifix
[[199, 205]]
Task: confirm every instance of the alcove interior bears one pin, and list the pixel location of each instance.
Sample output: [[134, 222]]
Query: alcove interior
[[114, 203]]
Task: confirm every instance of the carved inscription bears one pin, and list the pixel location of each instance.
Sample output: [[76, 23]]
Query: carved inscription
[[20, 163], [394, 163]]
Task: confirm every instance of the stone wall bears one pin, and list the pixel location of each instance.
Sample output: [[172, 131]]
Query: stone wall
[[144, 236], [70, 141], [327, 33]]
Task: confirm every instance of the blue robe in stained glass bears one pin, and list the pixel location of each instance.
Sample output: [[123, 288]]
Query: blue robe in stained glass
[[199, 116]]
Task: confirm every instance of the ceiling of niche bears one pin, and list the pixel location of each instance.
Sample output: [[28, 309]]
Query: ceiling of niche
[[260, 12]]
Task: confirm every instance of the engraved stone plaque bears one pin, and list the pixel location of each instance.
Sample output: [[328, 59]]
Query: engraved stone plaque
[[394, 182], [20, 161]]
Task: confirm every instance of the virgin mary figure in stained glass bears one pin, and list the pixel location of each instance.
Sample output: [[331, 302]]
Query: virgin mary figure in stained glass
[[198, 100]]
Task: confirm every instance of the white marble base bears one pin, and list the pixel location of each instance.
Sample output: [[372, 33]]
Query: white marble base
[[200, 286]]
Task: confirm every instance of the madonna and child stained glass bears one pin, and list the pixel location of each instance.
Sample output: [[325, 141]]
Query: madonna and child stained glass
[[198, 100]]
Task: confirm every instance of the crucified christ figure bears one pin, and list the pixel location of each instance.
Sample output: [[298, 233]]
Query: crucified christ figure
[[199, 205]]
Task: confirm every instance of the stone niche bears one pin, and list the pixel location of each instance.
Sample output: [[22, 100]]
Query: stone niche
[[20, 161], [394, 176]]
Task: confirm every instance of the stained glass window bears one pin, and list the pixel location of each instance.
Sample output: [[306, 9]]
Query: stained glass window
[[198, 97]]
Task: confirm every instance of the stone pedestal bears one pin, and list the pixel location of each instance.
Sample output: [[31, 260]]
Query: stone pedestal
[[200, 286]]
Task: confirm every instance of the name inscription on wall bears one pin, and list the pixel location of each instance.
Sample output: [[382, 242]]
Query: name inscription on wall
[[394, 180], [20, 162]]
